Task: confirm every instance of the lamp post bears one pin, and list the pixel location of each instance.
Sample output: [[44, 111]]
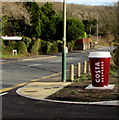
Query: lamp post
[[64, 44]]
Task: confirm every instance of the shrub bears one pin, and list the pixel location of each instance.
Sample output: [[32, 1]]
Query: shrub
[[39, 46], [10, 47], [35, 46], [59, 45], [45, 47], [54, 47], [27, 41], [2, 48], [70, 46], [21, 47], [116, 56]]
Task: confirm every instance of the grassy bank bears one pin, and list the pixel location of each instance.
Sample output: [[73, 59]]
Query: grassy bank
[[10, 56]]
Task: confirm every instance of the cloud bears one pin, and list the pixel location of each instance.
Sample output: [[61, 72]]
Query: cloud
[[87, 2], [92, 1]]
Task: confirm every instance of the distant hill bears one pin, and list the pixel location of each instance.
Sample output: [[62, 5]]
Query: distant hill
[[17, 9], [76, 10]]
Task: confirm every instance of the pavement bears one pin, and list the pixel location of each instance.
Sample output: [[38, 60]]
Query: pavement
[[49, 85], [40, 90]]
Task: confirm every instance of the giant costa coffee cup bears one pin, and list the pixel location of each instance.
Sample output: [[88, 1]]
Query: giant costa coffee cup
[[100, 67]]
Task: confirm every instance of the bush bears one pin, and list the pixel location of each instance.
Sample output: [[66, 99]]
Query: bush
[[27, 41], [39, 46], [59, 45], [21, 47], [35, 46], [116, 56], [54, 47], [45, 47], [70, 46], [2, 48], [10, 47]]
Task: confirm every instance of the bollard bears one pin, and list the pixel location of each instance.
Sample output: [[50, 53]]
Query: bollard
[[84, 67], [79, 69], [71, 72], [14, 52]]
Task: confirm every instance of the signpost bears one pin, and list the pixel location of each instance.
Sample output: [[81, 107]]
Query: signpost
[[11, 38], [64, 45]]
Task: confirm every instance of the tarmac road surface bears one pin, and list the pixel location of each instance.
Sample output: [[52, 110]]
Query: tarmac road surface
[[14, 106]]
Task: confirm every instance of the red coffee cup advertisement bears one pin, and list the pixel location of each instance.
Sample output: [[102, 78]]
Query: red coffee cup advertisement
[[100, 67]]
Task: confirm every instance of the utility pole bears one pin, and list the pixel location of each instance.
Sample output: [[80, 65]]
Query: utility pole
[[64, 44], [97, 29]]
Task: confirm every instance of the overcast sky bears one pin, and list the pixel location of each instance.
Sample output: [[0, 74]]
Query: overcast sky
[[81, 2], [92, 2]]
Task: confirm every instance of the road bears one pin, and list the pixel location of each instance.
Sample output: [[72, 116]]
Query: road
[[18, 72], [15, 106]]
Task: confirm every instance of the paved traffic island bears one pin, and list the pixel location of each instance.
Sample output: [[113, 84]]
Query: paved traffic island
[[71, 92]]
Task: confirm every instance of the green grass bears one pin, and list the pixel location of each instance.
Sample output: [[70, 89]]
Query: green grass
[[7, 56]]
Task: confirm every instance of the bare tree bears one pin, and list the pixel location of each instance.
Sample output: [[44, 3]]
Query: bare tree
[[15, 10]]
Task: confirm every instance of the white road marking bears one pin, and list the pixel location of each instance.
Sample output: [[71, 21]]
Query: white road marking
[[31, 65], [70, 58], [3, 93], [2, 70], [57, 61]]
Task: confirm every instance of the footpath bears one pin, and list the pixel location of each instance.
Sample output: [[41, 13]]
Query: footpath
[[41, 89]]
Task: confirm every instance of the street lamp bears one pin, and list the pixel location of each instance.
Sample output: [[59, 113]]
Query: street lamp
[[64, 44]]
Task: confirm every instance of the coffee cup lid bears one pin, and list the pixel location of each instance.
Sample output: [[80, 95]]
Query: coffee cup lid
[[99, 54]]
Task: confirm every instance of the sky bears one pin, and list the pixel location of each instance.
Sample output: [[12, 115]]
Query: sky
[[92, 2], [81, 2]]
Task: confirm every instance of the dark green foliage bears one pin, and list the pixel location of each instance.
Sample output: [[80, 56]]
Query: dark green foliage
[[90, 26], [70, 46], [116, 56], [75, 29], [35, 46], [21, 47], [35, 29], [54, 47], [2, 46], [59, 28], [49, 47], [45, 47], [46, 24], [39, 46], [60, 45], [27, 41], [10, 47], [14, 27], [48, 17]]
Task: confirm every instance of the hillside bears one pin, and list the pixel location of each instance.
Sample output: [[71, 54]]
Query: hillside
[[77, 11], [105, 14], [82, 12]]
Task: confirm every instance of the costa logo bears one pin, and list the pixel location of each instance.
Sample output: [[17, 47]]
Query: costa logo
[[99, 72]]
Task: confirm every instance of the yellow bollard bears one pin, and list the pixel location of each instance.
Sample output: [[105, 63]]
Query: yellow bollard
[[71, 72], [78, 69], [84, 67], [88, 66]]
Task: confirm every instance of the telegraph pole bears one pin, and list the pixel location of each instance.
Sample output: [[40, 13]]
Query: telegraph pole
[[64, 44], [97, 29]]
